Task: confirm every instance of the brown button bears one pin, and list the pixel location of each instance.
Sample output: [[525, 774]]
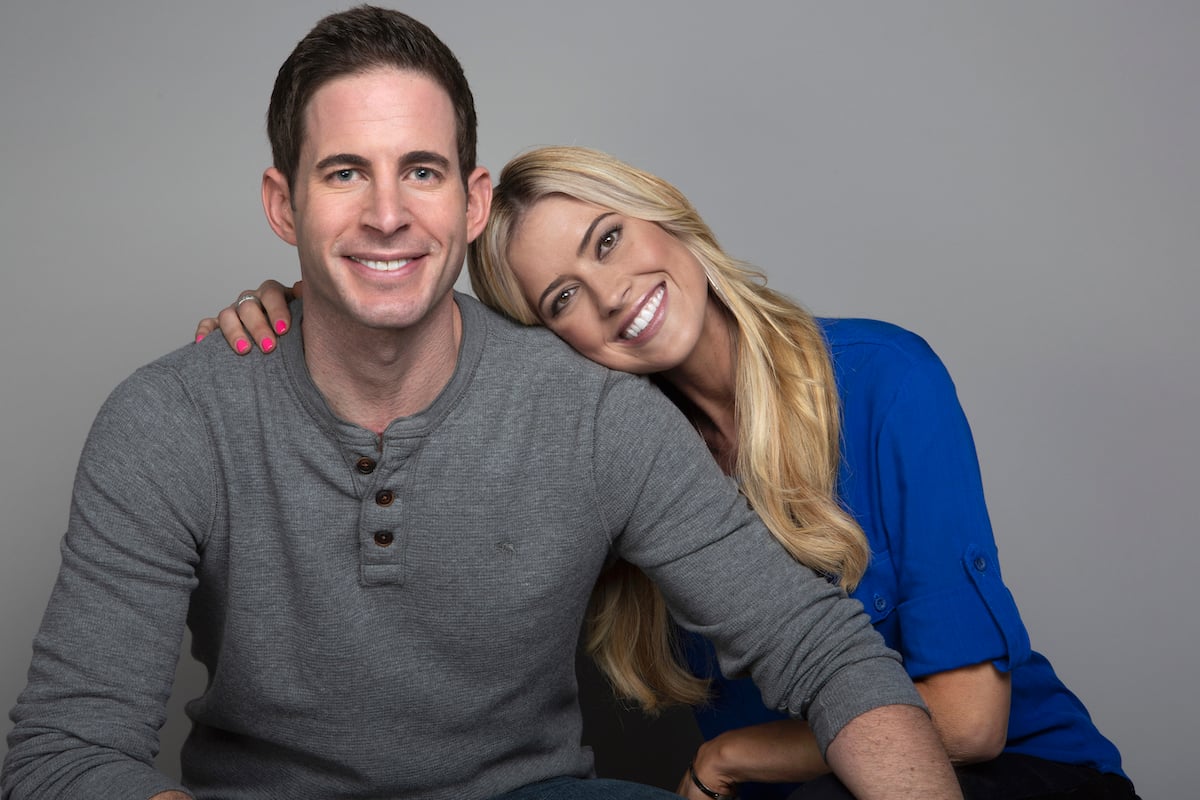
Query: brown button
[[384, 538], [365, 465], [384, 497]]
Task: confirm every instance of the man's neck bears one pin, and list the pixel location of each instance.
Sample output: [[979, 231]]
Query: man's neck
[[369, 376]]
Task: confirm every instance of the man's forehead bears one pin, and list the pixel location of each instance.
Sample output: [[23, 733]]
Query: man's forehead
[[376, 104]]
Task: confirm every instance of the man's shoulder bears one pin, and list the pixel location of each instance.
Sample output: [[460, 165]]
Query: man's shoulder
[[533, 361], [182, 377], [531, 345]]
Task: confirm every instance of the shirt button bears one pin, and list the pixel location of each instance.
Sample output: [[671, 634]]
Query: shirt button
[[384, 497], [980, 563], [880, 603], [365, 465], [384, 538]]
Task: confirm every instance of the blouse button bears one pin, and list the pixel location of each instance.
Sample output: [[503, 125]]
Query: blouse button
[[365, 465], [384, 497], [384, 538], [980, 563], [880, 603]]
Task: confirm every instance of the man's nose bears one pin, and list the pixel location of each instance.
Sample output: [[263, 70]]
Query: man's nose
[[386, 209]]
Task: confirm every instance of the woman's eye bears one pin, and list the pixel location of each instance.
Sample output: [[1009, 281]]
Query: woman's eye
[[561, 299], [608, 241]]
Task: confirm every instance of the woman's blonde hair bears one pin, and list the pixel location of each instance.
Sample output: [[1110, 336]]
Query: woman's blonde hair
[[785, 406]]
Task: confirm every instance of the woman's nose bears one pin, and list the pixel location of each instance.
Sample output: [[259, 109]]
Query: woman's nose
[[614, 295]]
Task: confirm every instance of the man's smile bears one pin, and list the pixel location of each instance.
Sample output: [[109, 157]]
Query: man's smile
[[382, 266]]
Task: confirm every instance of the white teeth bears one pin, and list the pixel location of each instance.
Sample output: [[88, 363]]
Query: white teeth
[[382, 266], [645, 315]]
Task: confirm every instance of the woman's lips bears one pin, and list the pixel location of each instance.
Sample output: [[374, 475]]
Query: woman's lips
[[645, 315]]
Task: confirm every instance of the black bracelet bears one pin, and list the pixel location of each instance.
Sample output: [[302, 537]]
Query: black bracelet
[[700, 785]]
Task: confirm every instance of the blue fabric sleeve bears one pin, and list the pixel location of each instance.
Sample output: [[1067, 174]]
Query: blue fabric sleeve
[[952, 606]]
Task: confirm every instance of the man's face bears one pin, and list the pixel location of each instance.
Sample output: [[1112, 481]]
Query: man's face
[[378, 210]]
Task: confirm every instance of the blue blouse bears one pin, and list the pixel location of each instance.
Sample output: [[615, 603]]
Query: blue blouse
[[934, 590]]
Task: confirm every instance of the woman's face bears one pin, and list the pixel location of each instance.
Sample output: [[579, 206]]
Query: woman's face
[[620, 290]]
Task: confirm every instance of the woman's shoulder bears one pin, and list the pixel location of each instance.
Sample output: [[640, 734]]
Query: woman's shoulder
[[849, 332], [857, 345]]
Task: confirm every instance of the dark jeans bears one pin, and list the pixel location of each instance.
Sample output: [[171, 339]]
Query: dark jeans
[[1008, 777], [586, 789]]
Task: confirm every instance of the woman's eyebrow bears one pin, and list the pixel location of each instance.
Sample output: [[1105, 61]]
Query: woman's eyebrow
[[554, 284], [587, 235]]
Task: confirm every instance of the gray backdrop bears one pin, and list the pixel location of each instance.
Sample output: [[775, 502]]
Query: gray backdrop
[[1017, 182]]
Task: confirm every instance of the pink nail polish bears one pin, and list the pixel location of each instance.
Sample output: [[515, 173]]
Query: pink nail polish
[[199, 337], [268, 344], [242, 346], [281, 327]]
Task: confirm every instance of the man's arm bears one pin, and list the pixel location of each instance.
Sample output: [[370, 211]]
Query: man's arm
[[810, 649], [104, 659], [892, 752]]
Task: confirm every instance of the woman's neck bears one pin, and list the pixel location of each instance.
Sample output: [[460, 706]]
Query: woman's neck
[[704, 385]]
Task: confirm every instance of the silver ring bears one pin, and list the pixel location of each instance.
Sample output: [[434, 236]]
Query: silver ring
[[245, 297]]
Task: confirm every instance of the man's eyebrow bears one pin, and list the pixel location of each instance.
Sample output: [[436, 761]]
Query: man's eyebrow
[[587, 235], [342, 160], [408, 159], [426, 157]]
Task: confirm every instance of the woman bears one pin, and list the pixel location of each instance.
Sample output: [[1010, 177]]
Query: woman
[[812, 417]]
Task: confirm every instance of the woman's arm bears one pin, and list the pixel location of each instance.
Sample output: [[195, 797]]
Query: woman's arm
[[774, 752], [968, 705], [245, 323]]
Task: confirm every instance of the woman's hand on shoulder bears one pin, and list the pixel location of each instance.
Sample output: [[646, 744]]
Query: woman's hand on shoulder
[[256, 317]]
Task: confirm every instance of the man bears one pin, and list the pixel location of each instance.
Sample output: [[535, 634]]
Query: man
[[384, 540]]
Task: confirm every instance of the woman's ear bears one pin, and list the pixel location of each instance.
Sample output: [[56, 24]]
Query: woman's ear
[[277, 203]]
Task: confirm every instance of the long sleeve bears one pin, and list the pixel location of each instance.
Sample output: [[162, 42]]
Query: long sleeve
[[104, 658], [811, 651]]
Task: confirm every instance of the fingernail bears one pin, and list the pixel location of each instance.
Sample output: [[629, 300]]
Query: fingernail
[[268, 344], [281, 327], [199, 337], [242, 346]]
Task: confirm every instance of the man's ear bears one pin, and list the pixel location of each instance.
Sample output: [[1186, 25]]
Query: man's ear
[[479, 201], [277, 202]]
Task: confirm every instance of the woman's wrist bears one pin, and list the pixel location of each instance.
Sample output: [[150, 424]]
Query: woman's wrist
[[707, 790], [784, 751], [712, 769]]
